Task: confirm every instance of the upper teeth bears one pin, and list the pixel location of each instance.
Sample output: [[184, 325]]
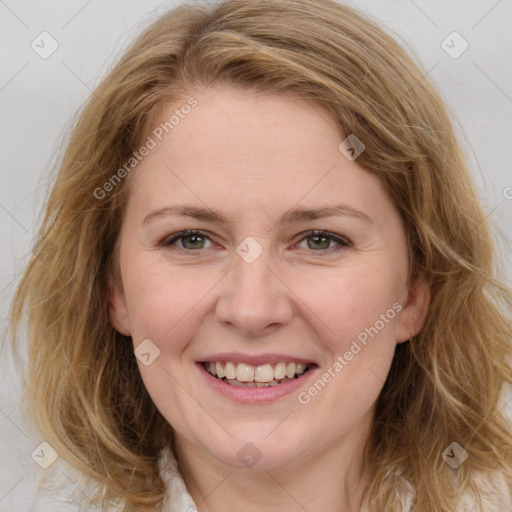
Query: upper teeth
[[261, 373]]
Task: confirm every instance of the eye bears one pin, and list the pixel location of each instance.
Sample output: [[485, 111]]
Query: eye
[[322, 241], [190, 240], [316, 240]]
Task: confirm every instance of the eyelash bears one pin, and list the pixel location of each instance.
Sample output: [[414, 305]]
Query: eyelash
[[342, 241]]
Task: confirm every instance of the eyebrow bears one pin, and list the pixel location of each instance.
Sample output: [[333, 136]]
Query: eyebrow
[[293, 216]]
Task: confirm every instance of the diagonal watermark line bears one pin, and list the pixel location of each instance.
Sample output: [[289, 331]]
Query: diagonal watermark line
[[486, 217], [12, 488], [42, 186], [189, 189], [197, 401], [80, 489], [14, 407], [307, 192], [286, 491], [505, 405], [418, 82], [280, 423], [14, 218], [84, 83], [490, 213], [504, 504], [14, 76], [75, 15], [13, 13], [301, 300], [492, 81], [424, 13], [217, 486], [211, 288], [314, 185], [376, 375], [10, 282], [15, 425], [486, 14]]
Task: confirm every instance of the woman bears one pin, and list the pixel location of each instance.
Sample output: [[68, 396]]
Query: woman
[[264, 278]]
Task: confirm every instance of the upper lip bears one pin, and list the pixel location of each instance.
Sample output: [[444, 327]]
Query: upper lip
[[253, 359]]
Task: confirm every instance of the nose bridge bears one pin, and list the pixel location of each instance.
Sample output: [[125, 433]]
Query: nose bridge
[[253, 277], [253, 299]]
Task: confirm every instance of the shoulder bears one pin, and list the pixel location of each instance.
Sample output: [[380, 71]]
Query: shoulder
[[64, 489], [495, 495]]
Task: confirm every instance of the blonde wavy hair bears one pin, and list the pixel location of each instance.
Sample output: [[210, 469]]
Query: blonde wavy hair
[[82, 383]]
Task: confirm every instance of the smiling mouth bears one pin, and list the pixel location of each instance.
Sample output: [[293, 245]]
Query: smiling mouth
[[260, 376]]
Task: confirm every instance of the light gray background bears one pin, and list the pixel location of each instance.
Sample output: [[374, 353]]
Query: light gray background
[[38, 98]]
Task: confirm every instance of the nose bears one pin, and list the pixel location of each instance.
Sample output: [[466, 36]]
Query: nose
[[253, 299]]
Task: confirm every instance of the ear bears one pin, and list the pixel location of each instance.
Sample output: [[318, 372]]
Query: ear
[[118, 309], [412, 317]]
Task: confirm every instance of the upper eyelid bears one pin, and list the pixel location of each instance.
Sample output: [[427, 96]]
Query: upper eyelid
[[187, 232]]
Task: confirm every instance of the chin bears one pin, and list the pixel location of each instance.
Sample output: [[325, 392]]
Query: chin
[[254, 452]]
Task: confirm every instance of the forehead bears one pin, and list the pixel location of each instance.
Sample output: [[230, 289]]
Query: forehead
[[259, 150]]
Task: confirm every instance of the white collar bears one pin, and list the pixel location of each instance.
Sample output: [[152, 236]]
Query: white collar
[[177, 498]]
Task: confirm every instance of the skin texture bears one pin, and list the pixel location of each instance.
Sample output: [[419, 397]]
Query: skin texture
[[252, 157]]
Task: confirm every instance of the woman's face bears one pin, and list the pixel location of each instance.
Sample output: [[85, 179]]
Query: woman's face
[[259, 291]]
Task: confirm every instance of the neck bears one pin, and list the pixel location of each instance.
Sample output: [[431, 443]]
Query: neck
[[331, 479]]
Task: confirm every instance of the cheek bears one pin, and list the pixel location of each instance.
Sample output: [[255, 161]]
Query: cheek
[[348, 302], [163, 302], [354, 315]]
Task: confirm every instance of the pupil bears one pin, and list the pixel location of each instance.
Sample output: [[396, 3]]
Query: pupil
[[321, 239], [196, 239]]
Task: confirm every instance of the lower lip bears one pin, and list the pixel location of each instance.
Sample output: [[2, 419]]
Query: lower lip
[[247, 395]]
